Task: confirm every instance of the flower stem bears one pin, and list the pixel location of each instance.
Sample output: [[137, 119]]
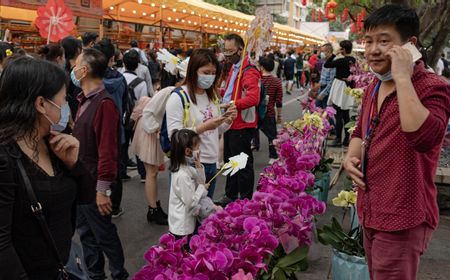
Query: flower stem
[[217, 174]]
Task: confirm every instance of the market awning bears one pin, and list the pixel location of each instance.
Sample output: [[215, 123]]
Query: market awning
[[196, 15]]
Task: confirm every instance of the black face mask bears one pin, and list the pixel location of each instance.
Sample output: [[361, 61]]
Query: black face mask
[[234, 58]]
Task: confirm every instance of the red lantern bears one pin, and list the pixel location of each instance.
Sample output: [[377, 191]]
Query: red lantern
[[345, 15], [330, 10], [304, 2], [319, 18], [313, 15]]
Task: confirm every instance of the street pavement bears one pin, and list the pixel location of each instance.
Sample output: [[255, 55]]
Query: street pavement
[[137, 235]]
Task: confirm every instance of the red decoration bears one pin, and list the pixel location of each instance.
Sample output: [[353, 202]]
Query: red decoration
[[304, 2], [313, 15], [353, 28], [54, 21], [330, 10], [319, 18], [344, 17]]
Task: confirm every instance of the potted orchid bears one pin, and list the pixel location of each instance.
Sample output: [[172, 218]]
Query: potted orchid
[[348, 261]]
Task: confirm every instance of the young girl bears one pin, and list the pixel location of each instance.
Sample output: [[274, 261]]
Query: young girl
[[188, 185]]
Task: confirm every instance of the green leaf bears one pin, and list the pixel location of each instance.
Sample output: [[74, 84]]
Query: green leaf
[[279, 275], [335, 225], [294, 257], [303, 265]]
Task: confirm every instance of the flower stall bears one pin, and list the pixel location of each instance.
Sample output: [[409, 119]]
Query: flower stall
[[266, 237]]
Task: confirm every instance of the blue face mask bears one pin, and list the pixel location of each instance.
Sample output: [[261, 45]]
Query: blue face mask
[[74, 79], [385, 77], [205, 81], [64, 119]]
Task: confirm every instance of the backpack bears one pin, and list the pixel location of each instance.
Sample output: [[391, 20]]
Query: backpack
[[164, 138], [261, 108], [131, 102]]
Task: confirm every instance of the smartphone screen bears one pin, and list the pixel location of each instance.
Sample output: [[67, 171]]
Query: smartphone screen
[[413, 50]]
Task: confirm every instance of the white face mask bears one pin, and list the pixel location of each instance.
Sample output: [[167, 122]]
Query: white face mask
[[322, 55], [384, 78], [205, 81]]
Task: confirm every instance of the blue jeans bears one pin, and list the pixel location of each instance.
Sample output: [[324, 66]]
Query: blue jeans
[[98, 235], [210, 171]]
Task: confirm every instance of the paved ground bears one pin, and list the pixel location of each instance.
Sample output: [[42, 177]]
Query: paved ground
[[137, 235]]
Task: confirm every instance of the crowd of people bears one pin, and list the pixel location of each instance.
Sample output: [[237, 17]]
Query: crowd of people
[[72, 113]]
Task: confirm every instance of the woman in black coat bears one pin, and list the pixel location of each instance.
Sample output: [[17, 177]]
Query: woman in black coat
[[33, 109]]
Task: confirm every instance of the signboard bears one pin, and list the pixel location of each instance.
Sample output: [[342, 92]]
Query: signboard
[[85, 8]]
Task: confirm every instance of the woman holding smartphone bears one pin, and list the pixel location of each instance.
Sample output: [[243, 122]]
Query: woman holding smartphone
[[195, 105]]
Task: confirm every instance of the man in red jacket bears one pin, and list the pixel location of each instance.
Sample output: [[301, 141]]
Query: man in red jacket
[[394, 151], [245, 92]]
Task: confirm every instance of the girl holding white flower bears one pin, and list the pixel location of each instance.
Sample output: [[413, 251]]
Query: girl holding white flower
[[188, 187], [201, 110]]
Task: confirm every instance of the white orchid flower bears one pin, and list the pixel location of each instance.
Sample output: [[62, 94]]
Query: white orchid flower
[[235, 164]]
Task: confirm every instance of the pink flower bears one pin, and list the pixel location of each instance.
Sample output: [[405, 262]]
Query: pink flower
[[242, 276]]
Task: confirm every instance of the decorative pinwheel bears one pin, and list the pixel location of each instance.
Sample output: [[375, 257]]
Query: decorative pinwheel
[[257, 38], [54, 21], [259, 35]]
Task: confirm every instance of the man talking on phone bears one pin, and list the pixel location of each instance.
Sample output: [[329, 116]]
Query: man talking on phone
[[394, 150]]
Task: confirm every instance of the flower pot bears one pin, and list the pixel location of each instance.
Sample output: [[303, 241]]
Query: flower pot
[[346, 267], [316, 194], [324, 184]]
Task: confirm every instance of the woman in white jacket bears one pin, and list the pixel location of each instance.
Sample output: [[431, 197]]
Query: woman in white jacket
[[188, 183], [203, 114]]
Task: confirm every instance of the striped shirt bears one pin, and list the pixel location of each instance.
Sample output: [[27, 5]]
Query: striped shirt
[[274, 91]]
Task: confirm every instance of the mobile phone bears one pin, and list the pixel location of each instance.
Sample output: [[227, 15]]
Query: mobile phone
[[413, 50]]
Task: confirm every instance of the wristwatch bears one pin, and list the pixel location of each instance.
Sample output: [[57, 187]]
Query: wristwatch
[[106, 193]]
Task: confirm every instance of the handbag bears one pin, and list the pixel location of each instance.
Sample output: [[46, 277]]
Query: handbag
[[36, 208]]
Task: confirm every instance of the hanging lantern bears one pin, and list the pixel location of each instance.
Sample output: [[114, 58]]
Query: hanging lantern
[[304, 2], [319, 18], [313, 15], [330, 10], [356, 2], [363, 13], [359, 21], [345, 15]]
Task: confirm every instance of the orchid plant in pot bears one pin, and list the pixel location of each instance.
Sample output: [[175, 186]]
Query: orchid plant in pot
[[348, 261]]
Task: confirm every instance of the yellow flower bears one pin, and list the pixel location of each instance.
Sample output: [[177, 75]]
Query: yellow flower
[[8, 52], [313, 120], [345, 199]]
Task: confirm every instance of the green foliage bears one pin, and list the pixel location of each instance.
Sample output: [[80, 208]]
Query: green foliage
[[323, 167], [334, 235], [284, 267], [244, 6]]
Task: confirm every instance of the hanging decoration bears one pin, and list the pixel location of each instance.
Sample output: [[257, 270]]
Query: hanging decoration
[[330, 10], [304, 2], [319, 18], [54, 21], [344, 17], [257, 38], [313, 15]]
